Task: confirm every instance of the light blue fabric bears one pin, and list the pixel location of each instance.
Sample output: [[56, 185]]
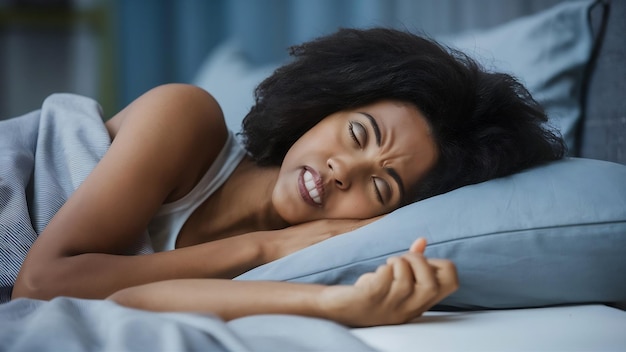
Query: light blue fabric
[[44, 156], [62, 163], [548, 52], [71, 324], [554, 234]]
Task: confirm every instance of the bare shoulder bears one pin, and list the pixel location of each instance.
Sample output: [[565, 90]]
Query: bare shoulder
[[162, 144], [178, 106], [186, 124]]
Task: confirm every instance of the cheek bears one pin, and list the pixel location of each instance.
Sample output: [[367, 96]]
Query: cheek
[[354, 205]]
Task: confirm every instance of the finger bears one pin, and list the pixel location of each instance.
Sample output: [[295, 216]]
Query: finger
[[401, 269], [446, 274], [378, 283], [419, 246], [403, 283], [364, 279], [426, 282]]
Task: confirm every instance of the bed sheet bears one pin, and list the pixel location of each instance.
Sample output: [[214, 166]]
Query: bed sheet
[[566, 328], [73, 324]]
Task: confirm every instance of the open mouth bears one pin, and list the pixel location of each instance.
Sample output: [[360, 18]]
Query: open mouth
[[310, 187]]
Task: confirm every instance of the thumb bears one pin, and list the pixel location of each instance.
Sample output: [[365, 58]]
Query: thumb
[[419, 246]]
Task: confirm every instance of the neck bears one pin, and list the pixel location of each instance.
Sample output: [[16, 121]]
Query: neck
[[242, 205], [251, 189]]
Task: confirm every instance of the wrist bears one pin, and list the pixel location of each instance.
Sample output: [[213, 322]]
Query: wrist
[[264, 246], [257, 243], [330, 304], [222, 259]]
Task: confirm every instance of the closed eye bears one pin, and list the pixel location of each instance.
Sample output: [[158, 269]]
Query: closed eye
[[382, 190], [379, 196], [358, 133]]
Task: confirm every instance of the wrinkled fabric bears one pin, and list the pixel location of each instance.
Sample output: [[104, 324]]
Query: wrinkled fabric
[[72, 324], [44, 156]]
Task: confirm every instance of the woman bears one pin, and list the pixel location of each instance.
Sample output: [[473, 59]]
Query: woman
[[360, 123]]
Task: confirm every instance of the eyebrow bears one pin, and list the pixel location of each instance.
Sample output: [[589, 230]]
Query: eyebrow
[[374, 126], [390, 171]]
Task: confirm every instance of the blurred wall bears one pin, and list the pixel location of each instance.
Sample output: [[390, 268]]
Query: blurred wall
[[52, 46], [114, 50]]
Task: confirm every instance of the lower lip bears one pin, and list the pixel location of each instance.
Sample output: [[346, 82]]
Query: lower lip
[[304, 193]]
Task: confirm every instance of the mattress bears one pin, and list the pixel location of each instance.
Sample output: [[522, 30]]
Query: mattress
[[566, 328]]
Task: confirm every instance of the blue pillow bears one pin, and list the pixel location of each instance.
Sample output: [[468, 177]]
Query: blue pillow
[[547, 52], [553, 234], [231, 79]]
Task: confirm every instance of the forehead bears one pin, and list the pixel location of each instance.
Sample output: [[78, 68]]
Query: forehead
[[397, 116], [407, 143], [393, 109]]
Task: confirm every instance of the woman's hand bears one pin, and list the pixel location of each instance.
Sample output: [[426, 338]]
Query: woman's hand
[[279, 243], [397, 292]]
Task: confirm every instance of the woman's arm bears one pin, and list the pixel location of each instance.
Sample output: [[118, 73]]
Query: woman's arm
[[85, 249], [154, 158], [397, 292]]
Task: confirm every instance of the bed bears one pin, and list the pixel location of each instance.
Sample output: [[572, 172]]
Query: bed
[[572, 328], [540, 254]]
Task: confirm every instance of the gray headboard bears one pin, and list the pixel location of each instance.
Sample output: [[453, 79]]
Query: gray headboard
[[603, 128]]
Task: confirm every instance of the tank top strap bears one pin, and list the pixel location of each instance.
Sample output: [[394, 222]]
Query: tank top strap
[[169, 220]]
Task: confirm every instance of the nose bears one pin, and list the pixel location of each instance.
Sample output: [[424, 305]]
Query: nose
[[344, 171], [337, 173]]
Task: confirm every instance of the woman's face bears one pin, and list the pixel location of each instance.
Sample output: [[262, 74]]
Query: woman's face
[[355, 164]]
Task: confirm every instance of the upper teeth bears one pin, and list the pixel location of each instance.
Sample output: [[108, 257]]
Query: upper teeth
[[310, 186]]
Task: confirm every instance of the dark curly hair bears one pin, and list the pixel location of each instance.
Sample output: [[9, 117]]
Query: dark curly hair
[[485, 124]]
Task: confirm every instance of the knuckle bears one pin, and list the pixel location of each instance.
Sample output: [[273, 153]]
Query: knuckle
[[383, 269], [449, 266], [391, 260], [404, 288], [430, 288], [364, 280], [451, 274], [455, 284]]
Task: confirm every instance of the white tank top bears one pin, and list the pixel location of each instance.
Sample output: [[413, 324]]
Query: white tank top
[[169, 220]]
